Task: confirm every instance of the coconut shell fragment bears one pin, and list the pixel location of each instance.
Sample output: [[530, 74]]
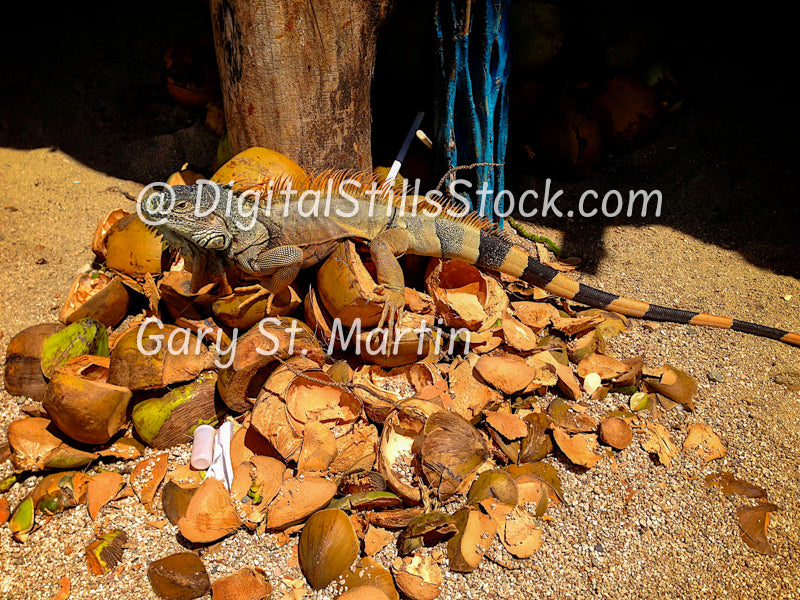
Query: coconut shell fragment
[[169, 420], [507, 373], [37, 444], [86, 336], [155, 355], [276, 338], [179, 577], [476, 531], [581, 448], [88, 410], [703, 442], [418, 577], [464, 296], [97, 296], [5, 511], [327, 547], [425, 530], [658, 441], [209, 514], [677, 385], [246, 306], [519, 533], [297, 499], [370, 574], [22, 520], [248, 583], [147, 476], [101, 232], [451, 452], [103, 488], [22, 374]]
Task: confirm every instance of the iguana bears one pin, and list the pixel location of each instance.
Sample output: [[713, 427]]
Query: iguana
[[274, 247]]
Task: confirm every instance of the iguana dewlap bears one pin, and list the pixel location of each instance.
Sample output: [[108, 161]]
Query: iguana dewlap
[[293, 234]]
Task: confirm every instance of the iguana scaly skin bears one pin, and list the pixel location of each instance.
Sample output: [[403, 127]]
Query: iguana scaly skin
[[274, 246]]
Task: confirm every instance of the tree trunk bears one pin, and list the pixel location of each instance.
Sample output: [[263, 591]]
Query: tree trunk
[[296, 77]]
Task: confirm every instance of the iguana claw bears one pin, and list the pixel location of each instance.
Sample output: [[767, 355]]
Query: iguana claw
[[394, 301]]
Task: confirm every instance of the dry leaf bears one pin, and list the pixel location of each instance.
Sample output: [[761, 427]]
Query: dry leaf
[[731, 485], [703, 442], [64, 589], [753, 523], [660, 442]]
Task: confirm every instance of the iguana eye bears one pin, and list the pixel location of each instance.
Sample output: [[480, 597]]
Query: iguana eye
[[181, 205]]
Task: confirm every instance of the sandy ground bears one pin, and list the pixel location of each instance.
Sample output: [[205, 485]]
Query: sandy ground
[[630, 528]]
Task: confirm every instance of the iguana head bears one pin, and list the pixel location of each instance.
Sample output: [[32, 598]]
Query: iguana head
[[187, 211]]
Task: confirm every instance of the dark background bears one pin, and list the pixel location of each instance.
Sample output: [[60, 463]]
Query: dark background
[[87, 78]]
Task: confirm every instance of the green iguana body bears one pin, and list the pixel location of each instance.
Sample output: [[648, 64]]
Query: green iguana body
[[293, 235]]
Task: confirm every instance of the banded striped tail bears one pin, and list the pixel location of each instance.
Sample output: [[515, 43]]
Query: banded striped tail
[[513, 261]]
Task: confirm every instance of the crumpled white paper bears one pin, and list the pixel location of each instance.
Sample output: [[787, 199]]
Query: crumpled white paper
[[221, 467]]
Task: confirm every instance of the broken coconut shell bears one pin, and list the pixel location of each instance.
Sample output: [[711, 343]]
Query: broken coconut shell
[[346, 288], [270, 418], [495, 484], [38, 444], [209, 514], [133, 248], [464, 296], [452, 451], [179, 576], [401, 441], [425, 530], [476, 531], [171, 419], [248, 583], [22, 520], [260, 347], [297, 499], [60, 491], [419, 577], [174, 355], [616, 432], [675, 384], [86, 336], [370, 574], [102, 230], [22, 373], [88, 410], [98, 296], [399, 383], [327, 547]]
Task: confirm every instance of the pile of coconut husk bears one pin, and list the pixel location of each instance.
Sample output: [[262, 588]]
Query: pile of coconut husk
[[443, 444]]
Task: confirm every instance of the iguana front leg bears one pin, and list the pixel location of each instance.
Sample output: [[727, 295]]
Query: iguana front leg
[[385, 248], [275, 268]]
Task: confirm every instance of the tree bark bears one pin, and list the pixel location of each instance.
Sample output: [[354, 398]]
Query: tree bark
[[296, 77]]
